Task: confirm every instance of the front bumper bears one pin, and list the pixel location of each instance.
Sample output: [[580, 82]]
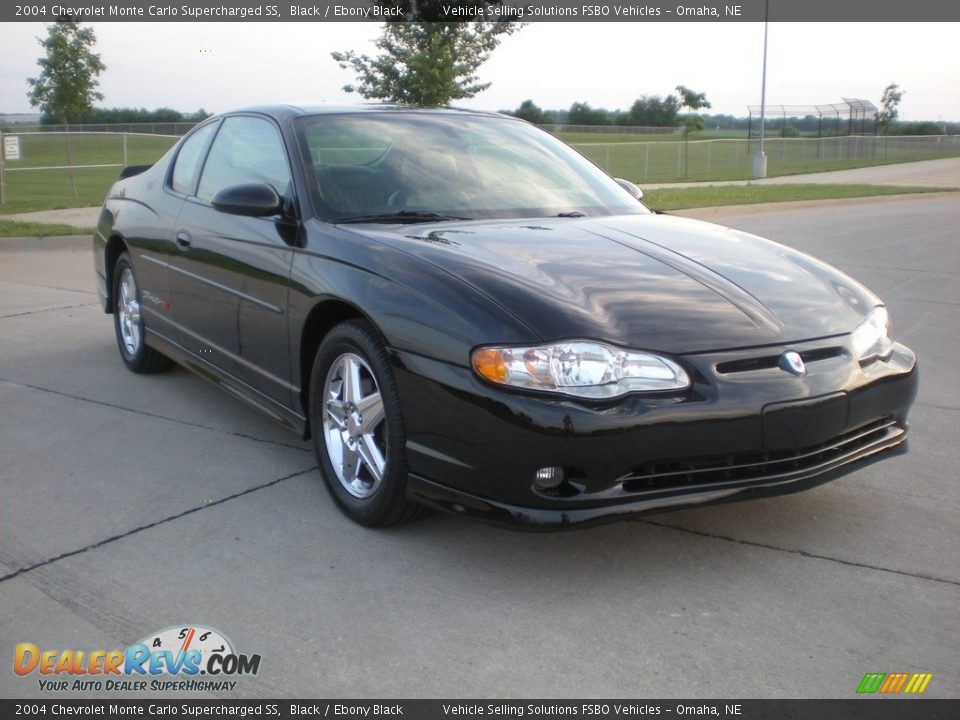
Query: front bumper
[[458, 502], [745, 429]]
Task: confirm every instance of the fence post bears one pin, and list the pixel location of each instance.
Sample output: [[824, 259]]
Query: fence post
[[3, 194], [125, 163]]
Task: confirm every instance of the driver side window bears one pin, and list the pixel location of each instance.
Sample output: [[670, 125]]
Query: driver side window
[[246, 150]]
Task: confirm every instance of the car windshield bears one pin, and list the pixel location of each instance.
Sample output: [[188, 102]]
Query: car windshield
[[425, 167]]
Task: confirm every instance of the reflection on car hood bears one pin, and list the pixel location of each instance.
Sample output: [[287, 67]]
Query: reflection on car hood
[[645, 281]]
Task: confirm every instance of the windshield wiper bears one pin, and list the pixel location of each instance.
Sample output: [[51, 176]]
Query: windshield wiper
[[572, 213], [401, 216]]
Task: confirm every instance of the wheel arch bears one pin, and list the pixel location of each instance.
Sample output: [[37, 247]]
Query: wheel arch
[[322, 318], [114, 248]]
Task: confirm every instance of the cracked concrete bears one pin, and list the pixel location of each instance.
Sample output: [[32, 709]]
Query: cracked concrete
[[129, 504]]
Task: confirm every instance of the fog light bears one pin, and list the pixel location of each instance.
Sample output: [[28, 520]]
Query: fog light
[[548, 478]]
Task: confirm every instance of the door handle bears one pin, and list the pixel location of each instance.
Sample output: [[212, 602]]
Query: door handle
[[183, 239]]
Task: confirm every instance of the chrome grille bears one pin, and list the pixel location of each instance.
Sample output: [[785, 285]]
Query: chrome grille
[[770, 361]]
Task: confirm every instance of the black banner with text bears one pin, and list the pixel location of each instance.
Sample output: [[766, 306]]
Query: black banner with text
[[467, 10]]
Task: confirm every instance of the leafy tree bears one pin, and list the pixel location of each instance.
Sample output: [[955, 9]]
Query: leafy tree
[[691, 100], [654, 111], [581, 113], [121, 115], [530, 112], [67, 84], [890, 104], [425, 57], [923, 127]]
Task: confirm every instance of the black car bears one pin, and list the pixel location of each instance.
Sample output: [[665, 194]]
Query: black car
[[465, 314]]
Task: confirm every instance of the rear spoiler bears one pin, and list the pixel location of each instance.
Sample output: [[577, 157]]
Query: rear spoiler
[[132, 170]]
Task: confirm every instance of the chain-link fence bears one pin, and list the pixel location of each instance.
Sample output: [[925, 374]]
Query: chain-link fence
[[668, 161], [141, 128], [39, 168], [612, 129], [52, 167]]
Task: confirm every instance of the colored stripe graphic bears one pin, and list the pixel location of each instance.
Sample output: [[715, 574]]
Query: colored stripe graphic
[[893, 683], [871, 682], [896, 682], [923, 679]]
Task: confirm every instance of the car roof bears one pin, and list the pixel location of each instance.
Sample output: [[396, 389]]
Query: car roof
[[290, 110]]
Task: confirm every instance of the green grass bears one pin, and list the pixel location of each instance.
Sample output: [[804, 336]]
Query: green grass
[[30, 190], [718, 195], [10, 228], [50, 189]]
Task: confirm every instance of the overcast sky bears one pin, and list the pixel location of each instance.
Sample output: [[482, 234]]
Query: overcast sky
[[221, 66]]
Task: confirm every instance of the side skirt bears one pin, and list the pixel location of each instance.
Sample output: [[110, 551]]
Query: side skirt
[[281, 414]]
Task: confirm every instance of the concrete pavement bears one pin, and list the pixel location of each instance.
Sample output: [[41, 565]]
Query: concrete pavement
[[77, 217], [131, 503], [944, 173]]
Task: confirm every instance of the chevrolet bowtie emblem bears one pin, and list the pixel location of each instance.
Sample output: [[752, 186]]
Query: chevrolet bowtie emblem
[[793, 363]]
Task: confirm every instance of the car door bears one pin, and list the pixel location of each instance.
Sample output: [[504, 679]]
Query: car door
[[229, 276], [150, 231]]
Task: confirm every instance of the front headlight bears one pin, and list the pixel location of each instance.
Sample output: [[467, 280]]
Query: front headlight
[[579, 367], [871, 339]]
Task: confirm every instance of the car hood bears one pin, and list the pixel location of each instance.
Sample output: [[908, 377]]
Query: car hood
[[656, 282]]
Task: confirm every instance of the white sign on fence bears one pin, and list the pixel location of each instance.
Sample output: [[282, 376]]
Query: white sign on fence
[[11, 147]]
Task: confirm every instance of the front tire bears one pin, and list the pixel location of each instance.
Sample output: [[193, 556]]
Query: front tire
[[128, 322], [357, 425]]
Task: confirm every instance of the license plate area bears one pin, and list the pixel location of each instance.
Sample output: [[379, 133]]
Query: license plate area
[[804, 423]]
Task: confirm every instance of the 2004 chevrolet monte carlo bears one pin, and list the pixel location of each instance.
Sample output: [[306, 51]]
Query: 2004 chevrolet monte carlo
[[465, 314]]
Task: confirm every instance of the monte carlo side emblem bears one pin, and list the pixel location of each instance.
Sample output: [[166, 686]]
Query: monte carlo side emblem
[[793, 363]]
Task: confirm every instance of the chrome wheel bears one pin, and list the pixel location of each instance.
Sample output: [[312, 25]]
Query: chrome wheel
[[354, 425], [128, 312]]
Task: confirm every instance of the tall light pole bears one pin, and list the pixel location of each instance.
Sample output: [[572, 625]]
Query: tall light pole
[[760, 158]]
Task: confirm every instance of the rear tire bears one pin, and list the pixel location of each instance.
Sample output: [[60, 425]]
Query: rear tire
[[128, 322], [357, 425]]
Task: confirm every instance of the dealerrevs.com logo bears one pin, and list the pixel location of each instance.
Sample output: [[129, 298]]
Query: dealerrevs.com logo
[[173, 659]]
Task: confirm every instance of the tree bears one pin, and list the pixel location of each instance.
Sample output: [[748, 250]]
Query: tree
[[581, 113], [531, 112], [67, 84], [654, 111], [691, 101], [425, 58], [890, 104]]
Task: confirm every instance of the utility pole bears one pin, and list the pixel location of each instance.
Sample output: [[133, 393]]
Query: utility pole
[[760, 158]]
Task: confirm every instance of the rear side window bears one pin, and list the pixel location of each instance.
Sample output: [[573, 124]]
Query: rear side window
[[187, 165], [246, 150]]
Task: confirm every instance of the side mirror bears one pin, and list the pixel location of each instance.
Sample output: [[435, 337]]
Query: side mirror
[[250, 199], [630, 188]]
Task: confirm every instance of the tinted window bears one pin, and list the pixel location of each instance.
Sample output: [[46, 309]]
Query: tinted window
[[187, 165], [246, 150], [467, 166]]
